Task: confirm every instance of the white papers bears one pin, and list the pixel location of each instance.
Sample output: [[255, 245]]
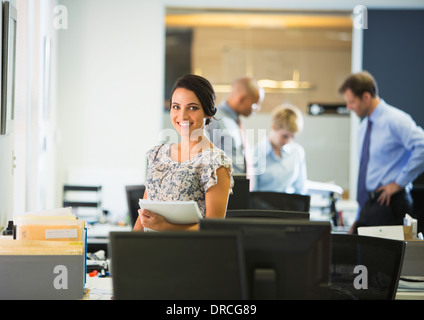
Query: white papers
[[387, 232], [323, 188], [61, 233], [177, 212], [411, 284]]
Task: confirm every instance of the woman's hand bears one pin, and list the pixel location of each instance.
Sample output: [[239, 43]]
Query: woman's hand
[[152, 220]]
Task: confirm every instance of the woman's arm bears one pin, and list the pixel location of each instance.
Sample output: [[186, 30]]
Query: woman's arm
[[155, 221], [216, 198]]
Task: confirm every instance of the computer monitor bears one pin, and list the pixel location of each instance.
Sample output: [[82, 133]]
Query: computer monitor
[[239, 199], [285, 259], [279, 201], [364, 267], [134, 193], [274, 214], [183, 265]]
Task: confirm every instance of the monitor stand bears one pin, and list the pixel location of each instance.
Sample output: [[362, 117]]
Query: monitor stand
[[264, 284]]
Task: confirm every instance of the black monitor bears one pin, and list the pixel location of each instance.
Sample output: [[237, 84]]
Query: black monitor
[[134, 193], [279, 201], [239, 199], [183, 265], [285, 259], [364, 267], [274, 214]]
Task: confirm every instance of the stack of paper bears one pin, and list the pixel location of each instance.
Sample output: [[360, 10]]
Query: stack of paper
[[34, 247], [411, 284], [55, 225]]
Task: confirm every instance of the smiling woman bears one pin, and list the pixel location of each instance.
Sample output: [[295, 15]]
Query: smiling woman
[[192, 169], [187, 114]]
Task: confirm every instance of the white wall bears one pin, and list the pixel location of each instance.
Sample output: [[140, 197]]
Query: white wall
[[110, 89], [26, 152], [35, 106]]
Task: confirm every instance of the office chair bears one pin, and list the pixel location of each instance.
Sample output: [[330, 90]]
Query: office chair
[[275, 214], [134, 193], [279, 201], [382, 258]]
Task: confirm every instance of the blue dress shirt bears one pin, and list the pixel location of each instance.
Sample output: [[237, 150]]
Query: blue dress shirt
[[286, 174], [396, 148], [224, 133]]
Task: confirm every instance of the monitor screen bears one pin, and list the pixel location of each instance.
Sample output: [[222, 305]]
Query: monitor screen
[[266, 200], [182, 265], [134, 193], [364, 267], [284, 259]]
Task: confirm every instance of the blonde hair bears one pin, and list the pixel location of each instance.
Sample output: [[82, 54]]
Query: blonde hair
[[287, 117]]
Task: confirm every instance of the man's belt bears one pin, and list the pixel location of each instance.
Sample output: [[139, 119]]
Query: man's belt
[[373, 195]]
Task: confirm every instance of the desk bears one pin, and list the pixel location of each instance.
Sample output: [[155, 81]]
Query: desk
[[410, 290], [409, 295], [98, 235], [102, 230], [102, 289]]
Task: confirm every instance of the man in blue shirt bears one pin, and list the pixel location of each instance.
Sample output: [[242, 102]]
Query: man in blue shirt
[[225, 130], [393, 147]]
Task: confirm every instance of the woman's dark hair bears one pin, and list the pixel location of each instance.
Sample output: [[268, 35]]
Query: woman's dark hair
[[360, 83], [203, 90]]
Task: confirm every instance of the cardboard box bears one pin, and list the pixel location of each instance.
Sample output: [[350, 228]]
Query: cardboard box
[[40, 270], [49, 228]]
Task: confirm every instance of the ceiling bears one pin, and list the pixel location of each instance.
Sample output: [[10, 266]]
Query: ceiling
[[258, 19]]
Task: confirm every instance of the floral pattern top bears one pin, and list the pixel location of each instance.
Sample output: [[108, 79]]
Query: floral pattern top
[[169, 180]]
